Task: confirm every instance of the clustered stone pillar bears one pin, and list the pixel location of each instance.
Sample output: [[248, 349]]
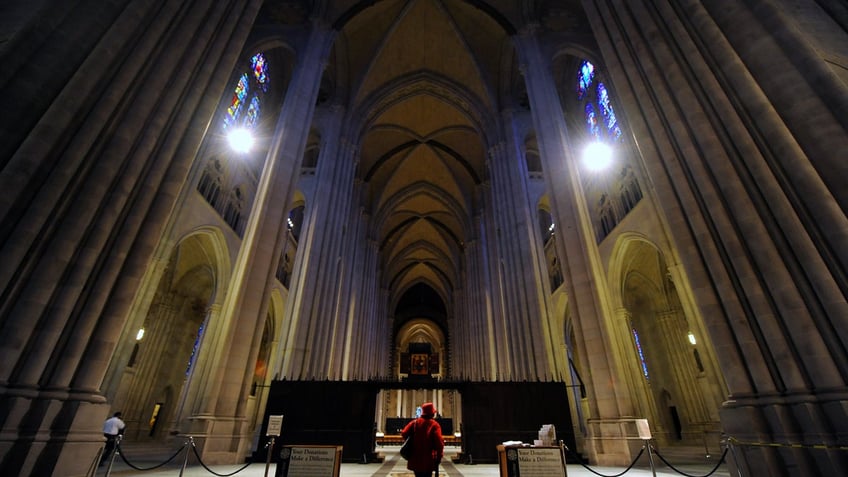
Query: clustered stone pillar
[[610, 403], [89, 180], [755, 198], [218, 419]]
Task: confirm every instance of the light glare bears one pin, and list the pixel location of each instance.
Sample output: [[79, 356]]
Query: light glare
[[140, 334], [240, 140], [597, 156], [692, 337]]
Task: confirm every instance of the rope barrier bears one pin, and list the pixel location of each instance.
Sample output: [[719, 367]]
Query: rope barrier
[[580, 461], [194, 448], [713, 471], [720, 461], [188, 443], [124, 458], [734, 441]]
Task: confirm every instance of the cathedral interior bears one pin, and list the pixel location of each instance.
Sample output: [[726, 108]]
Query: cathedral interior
[[210, 207]]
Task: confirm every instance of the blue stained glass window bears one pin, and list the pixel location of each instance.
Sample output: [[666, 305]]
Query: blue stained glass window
[[592, 121], [641, 354], [252, 113], [598, 108], [194, 349], [260, 70], [585, 76], [607, 112]]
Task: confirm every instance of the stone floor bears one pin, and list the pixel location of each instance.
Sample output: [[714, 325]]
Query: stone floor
[[394, 466]]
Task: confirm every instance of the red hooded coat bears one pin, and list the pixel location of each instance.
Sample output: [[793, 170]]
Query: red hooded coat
[[428, 447]]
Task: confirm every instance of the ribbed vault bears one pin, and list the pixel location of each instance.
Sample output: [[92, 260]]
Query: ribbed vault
[[423, 78]]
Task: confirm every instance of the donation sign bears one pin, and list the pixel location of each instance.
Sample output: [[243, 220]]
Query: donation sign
[[309, 461], [534, 462]]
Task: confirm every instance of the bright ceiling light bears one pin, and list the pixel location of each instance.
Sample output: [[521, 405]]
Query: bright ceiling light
[[240, 139], [597, 156], [140, 334]]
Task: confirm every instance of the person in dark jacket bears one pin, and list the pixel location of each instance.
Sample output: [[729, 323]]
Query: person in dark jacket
[[428, 447]]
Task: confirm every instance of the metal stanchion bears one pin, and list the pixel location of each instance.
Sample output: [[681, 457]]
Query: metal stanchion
[[185, 459], [562, 449], [651, 457], [735, 457], [270, 447], [114, 453]]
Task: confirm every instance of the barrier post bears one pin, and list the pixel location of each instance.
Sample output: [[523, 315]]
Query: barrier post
[[270, 446], [275, 427], [651, 457], [644, 431], [735, 457], [562, 449], [114, 453], [185, 459]]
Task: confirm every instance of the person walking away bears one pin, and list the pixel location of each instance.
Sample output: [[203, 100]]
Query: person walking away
[[112, 428], [428, 447]]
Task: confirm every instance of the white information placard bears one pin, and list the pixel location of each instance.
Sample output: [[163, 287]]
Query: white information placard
[[643, 428], [275, 425]]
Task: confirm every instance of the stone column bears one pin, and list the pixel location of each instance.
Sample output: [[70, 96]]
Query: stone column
[[609, 401], [744, 172], [254, 269], [90, 174]]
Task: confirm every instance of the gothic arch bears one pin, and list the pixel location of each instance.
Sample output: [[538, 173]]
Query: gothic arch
[[193, 279], [661, 355]]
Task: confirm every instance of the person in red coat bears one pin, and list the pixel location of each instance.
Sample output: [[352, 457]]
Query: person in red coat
[[428, 447]]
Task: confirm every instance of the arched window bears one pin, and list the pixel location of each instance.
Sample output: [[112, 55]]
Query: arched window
[[534, 164], [197, 339], [295, 222], [601, 122], [610, 195], [260, 370], [285, 264], [210, 182], [546, 225], [248, 93], [639, 352], [232, 212], [310, 155], [310, 161]]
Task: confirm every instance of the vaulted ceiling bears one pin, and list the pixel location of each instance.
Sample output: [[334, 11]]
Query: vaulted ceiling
[[424, 81], [423, 77]]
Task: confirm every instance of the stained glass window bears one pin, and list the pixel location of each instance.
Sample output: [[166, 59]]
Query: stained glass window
[[607, 112], [252, 113], [585, 76], [237, 102], [598, 108], [252, 84], [640, 353], [592, 122], [194, 349], [260, 70]]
